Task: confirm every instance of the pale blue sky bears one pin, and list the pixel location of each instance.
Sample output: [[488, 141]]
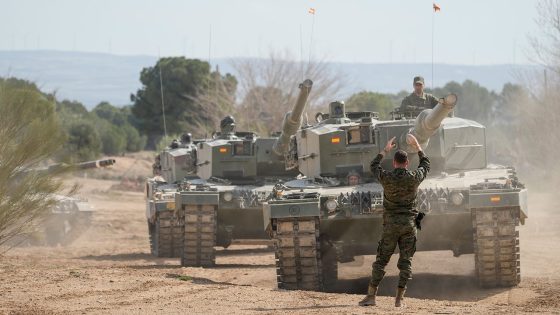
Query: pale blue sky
[[399, 31]]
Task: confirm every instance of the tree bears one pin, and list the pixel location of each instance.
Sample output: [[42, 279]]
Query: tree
[[180, 86], [29, 135], [71, 109], [114, 127], [265, 105], [370, 101], [475, 102], [113, 114], [83, 142], [269, 88], [217, 99], [134, 141]]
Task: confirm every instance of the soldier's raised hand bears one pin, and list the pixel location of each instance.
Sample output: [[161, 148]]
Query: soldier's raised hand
[[413, 142], [390, 145]]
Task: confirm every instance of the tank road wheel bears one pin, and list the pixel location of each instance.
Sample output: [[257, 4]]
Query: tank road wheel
[[166, 240], [199, 236], [298, 258], [496, 246]]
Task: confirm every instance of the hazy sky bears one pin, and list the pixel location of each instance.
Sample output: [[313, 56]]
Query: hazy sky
[[399, 31]]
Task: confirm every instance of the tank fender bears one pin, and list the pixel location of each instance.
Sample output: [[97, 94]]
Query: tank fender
[[290, 209]]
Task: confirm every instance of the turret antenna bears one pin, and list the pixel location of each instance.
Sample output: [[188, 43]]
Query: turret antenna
[[312, 12], [162, 99], [209, 82], [301, 64]]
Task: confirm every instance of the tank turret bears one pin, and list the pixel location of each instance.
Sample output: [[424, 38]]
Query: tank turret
[[243, 157], [292, 120], [177, 161], [343, 143]]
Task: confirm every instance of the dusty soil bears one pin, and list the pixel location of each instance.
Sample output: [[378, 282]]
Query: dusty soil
[[109, 270]]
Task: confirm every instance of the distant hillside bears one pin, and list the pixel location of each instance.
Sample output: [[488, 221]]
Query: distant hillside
[[94, 77]]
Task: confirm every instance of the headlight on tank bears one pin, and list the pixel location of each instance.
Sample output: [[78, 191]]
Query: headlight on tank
[[331, 204], [228, 196], [457, 198]]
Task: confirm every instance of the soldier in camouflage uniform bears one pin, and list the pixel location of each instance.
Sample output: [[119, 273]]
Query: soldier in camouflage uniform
[[418, 99], [400, 188]]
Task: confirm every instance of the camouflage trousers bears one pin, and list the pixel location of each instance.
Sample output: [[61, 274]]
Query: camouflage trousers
[[403, 235]]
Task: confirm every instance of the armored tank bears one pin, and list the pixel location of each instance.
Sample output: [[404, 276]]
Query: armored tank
[[172, 166], [70, 216], [335, 212], [238, 172]]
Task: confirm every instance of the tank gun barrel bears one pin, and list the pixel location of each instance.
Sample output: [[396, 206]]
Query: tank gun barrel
[[428, 121], [83, 165], [95, 164], [292, 120]]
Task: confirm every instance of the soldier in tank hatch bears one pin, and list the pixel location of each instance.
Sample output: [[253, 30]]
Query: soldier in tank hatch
[[418, 99]]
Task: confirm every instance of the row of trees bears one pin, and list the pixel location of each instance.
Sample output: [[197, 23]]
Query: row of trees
[[105, 130], [194, 98]]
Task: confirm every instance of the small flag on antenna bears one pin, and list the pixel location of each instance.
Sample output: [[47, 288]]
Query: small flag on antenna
[[436, 8], [311, 11]]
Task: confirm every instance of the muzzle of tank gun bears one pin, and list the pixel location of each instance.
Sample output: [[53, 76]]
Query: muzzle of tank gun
[[292, 120], [95, 164], [428, 122]]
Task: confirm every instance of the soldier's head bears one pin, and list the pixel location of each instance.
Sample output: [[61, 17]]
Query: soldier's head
[[227, 125], [400, 160], [186, 138], [418, 84]]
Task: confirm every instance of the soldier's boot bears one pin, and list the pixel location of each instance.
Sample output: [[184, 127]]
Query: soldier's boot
[[400, 297], [369, 300]]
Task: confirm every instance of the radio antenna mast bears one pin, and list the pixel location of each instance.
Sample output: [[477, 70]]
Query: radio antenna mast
[[208, 90], [162, 99]]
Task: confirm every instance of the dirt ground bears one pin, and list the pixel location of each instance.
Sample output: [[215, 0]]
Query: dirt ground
[[109, 270]]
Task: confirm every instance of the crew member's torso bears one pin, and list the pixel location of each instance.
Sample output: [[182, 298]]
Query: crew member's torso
[[400, 189], [424, 100]]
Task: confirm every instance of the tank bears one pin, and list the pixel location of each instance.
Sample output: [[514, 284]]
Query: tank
[[70, 216], [237, 173], [335, 212], [173, 165]]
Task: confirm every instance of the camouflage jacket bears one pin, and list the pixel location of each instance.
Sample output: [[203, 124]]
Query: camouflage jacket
[[426, 100], [400, 188]]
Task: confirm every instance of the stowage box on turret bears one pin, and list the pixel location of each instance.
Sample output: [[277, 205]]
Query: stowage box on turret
[[335, 212]]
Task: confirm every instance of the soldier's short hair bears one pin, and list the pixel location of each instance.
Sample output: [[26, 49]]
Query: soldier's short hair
[[401, 157]]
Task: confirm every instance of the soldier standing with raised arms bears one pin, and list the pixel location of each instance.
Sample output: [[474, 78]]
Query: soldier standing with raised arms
[[400, 188]]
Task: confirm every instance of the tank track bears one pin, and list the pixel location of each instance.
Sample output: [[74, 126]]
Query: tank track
[[80, 222], [298, 254], [166, 235], [64, 230], [199, 236], [496, 246]]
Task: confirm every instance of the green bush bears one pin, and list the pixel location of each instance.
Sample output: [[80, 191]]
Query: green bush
[[83, 142]]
